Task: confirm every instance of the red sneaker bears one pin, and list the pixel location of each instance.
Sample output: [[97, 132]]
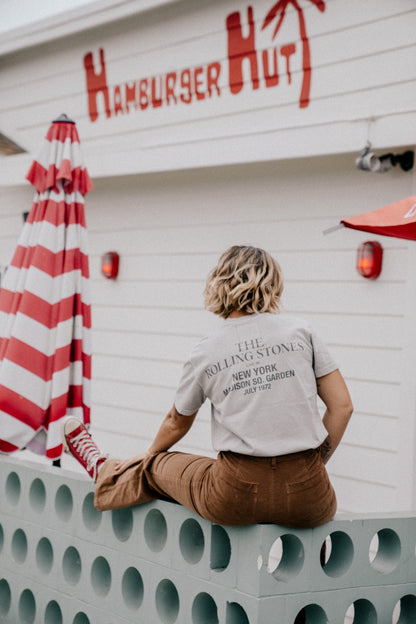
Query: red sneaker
[[78, 442]]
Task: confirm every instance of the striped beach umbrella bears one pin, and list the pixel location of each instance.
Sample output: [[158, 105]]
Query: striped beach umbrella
[[45, 309]]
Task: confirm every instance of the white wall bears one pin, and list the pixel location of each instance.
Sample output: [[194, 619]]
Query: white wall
[[362, 86]]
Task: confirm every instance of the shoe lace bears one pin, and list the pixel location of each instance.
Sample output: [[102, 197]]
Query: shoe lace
[[87, 450]]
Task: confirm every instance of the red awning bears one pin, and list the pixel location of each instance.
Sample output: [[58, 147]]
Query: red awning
[[398, 220]]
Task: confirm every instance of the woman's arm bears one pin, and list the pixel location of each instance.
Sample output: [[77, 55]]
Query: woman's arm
[[172, 429], [334, 393]]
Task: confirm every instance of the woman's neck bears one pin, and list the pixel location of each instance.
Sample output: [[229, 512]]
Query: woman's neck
[[237, 314]]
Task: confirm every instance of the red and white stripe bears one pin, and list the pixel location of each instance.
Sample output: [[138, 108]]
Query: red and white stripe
[[60, 159], [45, 305]]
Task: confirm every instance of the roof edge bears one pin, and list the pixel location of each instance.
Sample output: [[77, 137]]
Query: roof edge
[[74, 21]]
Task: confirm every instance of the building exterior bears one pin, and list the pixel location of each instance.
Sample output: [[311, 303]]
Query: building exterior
[[210, 124]]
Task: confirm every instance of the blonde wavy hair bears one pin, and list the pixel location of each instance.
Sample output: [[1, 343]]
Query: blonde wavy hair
[[246, 279]]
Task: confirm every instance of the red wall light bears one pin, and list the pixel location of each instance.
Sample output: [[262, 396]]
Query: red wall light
[[109, 264], [369, 259]]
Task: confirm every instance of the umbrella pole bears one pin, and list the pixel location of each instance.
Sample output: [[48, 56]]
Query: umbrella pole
[[334, 228]]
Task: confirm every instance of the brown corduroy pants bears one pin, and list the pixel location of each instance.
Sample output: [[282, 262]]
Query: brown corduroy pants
[[293, 490]]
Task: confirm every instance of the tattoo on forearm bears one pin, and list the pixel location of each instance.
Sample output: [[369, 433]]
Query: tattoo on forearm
[[325, 448]]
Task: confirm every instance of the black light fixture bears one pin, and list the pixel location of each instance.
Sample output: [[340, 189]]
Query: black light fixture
[[369, 161], [405, 160]]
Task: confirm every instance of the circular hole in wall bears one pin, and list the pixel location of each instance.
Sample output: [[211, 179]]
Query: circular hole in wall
[[405, 611], [325, 552], [71, 565], [396, 613], [204, 610], [220, 548], [312, 614], [37, 495], [27, 607], [1, 538], [341, 554], [90, 516], [191, 541], [13, 488], [64, 503], [235, 614], [80, 618], [101, 576], [122, 523], [286, 557], [385, 551], [5, 597], [132, 588], [53, 613], [19, 546], [361, 612], [167, 601], [44, 555], [155, 530]]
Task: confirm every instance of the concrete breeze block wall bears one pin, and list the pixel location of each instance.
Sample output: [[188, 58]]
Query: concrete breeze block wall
[[62, 562]]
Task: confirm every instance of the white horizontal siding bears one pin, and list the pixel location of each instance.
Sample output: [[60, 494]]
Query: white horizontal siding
[[365, 464], [145, 343], [363, 86], [377, 497], [364, 427], [355, 330], [174, 320], [376, 397], [365, 363], [13, 203]]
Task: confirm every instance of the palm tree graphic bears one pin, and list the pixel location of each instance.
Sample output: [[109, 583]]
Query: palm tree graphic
[[279, 10]]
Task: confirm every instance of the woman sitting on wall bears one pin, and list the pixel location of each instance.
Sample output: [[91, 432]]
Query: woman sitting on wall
[[262, 373]]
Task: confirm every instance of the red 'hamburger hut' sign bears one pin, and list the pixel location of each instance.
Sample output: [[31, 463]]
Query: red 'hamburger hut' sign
[[193, 84]]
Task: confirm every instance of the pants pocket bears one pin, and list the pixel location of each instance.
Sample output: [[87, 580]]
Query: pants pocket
[[311, 498], [232, 501], [308, 484]]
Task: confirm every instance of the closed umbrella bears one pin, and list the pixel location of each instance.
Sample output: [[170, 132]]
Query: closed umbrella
[[397, 220], [45, 309]]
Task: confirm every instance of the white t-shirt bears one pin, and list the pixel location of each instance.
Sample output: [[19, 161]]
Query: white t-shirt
[[259, 372]]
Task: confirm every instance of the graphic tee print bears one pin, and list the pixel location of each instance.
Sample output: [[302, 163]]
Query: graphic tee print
[[259, 372]]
